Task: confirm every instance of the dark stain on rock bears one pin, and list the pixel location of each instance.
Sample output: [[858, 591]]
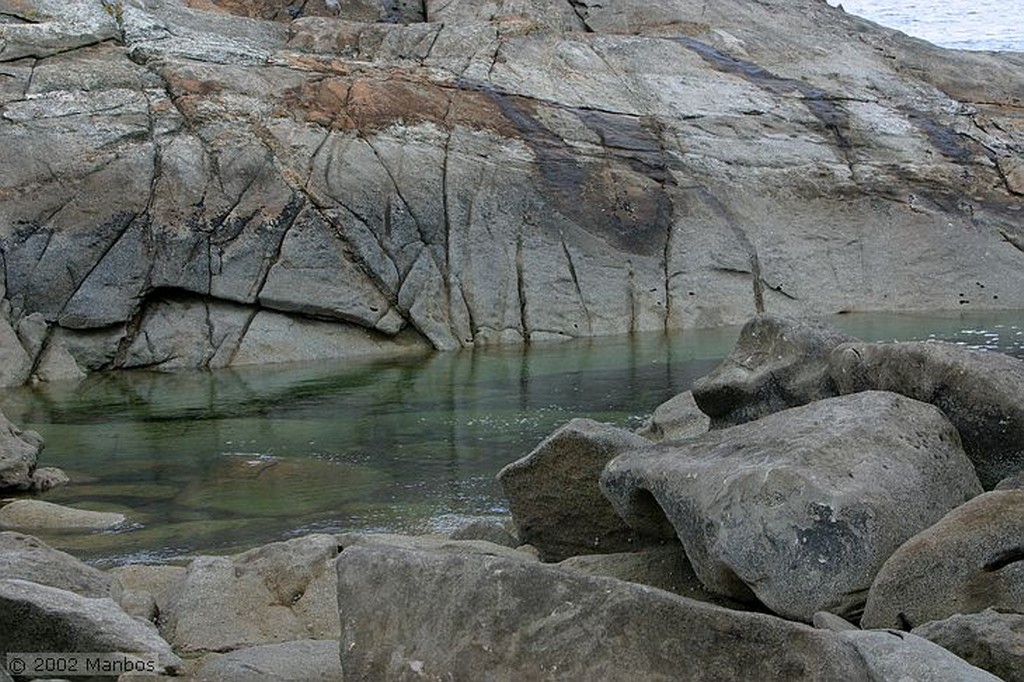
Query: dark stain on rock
[[945, 139], [824, 106], [619, 196]]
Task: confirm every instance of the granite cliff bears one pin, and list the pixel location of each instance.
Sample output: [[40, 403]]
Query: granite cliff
[[202, 183]]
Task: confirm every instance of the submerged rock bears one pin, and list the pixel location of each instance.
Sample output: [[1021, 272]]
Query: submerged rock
[[39, 515], [554, 496], [777, 363], [801, 508], [970, 560], [981, 392]]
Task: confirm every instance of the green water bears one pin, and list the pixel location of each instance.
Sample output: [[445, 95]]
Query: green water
[[214, 462]]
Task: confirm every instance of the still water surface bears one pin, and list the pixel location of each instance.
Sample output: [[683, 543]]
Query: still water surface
[[213, 462]]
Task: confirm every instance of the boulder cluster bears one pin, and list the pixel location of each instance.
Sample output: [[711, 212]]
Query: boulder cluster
[[837, 514]]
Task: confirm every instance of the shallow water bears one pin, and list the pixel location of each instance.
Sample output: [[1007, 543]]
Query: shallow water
[[213, 462], [959, 24]]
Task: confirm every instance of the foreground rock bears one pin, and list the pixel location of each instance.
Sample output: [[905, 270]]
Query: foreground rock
[[228, 189], [39, 515], [991, 640], [801, 508], [411, 614], [777, 363], [38, 618], [677, 418], [276, 593], [144, 591], [982, 393], [18, 453], [308, 660], [970, 560], [24, 557], [554, 496]]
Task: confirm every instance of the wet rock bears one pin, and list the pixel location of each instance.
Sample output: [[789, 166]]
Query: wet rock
[[24, 557], [18, 453], [991, 640], [554, 496], [276, 593], [40, 618], [981, 392], [45, 478], [39, 515], [404, 613], [800, 508], [970, 560], [307, 660], [677, 418], [777, 363], [663, 567]]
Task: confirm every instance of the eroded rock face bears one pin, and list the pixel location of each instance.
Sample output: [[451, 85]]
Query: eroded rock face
[[554, 495], [444, 615], [970, 560], [982, 393], [801, 508], [500, 172]]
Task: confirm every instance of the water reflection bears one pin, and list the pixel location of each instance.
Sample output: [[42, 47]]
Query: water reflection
[[218, 461]]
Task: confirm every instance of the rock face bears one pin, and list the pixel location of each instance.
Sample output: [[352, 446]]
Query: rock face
[[36, 617], [800, 508], [982, 393], [279, 592], [480, 173], [451, 616], [24, 557], [554, 496], [777, 363], [972, 559], [991, 640]]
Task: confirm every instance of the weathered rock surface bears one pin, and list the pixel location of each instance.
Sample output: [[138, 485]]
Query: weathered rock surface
[[37, 617], [802, 507], [981, 392], [777, 363], [39, 515], [19, 451], [900, 656], [676, 418], [499, 172], [407, 613], [970, 560], [554, 494], [276, 593], [307, 660], [24, 557], [990, 640], [144, 590]]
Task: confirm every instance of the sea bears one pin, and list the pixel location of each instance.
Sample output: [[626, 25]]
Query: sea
[[986, 25]]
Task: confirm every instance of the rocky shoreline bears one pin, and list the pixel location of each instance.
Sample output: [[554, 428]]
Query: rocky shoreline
[[835, 514]]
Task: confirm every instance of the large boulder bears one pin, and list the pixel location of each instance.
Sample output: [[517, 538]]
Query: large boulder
[[276, 593], [554, 496], [458, 616], [981, 392], [777, 363], [304, 660], [801, 508], [18, 453], [39, 618], [24, 557], [970, 560], [991, 640]]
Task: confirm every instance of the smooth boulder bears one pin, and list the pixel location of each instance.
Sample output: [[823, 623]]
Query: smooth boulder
[[801, 508], [24, 557], [39, 618], [279, 592], [39, 515], [981, 392], [777, 363], [991, 640], [970, 560], [410, 614], [554, 495]]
